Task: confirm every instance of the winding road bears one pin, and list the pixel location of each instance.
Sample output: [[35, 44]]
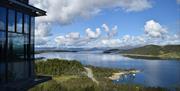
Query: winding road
[[90, 75]]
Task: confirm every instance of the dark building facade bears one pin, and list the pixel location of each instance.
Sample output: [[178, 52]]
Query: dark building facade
[[17, 25]]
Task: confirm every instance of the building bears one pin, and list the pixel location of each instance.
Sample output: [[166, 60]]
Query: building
[[17, 25]]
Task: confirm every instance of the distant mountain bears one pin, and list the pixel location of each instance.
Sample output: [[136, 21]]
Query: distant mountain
[[154, 50], [82, 50], [150, 52], [45, 50], [113, 51]]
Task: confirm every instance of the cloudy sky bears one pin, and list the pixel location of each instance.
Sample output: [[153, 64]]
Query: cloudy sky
[[107, 23]]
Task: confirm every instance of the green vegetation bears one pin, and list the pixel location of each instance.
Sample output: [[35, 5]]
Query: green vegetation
[[70, 76], [154, 52], [59, 67], [151, 52], [112, 51]]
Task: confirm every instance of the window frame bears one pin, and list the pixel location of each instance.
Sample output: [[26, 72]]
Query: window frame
[[29, 35]]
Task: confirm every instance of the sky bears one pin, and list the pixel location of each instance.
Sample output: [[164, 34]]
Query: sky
[[107, 23]]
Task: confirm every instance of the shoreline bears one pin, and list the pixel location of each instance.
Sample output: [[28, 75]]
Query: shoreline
[[134, 56], [150, 57], [116, 76]]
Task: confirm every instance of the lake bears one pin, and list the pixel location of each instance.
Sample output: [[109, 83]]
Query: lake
[[154, 73]]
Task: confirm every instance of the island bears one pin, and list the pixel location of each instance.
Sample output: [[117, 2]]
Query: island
[[46, 51]]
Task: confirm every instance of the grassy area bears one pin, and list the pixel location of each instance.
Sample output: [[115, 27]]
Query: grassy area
[[168, 56], [139, 56], [150, 52], [59, 67], [64, 78], [72, 78], [154, 52]]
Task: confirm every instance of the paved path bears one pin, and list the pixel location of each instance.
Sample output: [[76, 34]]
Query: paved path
[[90, 75]]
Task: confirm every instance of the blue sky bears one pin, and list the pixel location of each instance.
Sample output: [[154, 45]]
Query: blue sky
[[164, 12]]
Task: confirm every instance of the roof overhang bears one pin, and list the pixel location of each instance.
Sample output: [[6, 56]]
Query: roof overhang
[[23, 7]]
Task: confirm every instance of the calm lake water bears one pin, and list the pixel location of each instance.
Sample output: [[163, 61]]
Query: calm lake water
[[154, 73]]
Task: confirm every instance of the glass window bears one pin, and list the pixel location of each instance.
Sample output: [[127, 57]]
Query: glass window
[[26, 23], [2, 45], [15, 47], [2, 18], [17, 71], [19, 22], [11, 20]]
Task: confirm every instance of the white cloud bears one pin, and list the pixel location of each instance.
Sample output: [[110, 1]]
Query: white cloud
[[126, 38], [92, 34], [91, 37], [42, 33], [73, 35], [154, 34], [113, 32], [39, 41], [96, 38], [105, 27], [172, 39], [74, 39], [125, 41], [109, 43], [69, 39], [141, 40], [61, 40], [110, 33], [154, 29], [43, 30], [67, 11]]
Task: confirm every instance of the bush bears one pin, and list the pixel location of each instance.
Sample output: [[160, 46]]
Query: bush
[[58, 67]]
